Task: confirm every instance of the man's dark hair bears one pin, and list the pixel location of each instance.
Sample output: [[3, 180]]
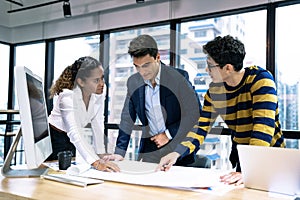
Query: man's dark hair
[[226, 50], [143, 45]]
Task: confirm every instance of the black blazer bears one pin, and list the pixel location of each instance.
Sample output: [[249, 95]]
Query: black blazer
[[181, 110]]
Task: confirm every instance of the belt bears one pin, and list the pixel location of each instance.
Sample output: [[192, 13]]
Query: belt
[[57, 129]]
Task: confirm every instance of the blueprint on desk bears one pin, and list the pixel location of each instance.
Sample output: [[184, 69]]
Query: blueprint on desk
[[142, 173]]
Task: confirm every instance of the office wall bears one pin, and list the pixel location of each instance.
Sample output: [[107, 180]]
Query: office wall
[[5, 34], [109, 15]]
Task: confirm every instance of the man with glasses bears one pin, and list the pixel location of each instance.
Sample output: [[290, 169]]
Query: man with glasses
[[162, 99], [245, 98]]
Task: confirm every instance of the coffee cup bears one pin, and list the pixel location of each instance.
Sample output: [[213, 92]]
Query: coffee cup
[[64, 159]]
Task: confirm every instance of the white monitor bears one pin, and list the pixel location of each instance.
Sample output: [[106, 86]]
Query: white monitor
[[34, 125]]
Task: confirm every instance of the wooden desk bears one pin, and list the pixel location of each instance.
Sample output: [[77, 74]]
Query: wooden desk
[[35, 188]]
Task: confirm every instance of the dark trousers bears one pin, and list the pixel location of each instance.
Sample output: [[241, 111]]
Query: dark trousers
[[60, 142]]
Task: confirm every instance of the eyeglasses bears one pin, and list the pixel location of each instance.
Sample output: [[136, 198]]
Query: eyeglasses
[[210, 66]]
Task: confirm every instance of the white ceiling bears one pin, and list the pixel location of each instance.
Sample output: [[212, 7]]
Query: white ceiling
[[96, 15], [53, 11]]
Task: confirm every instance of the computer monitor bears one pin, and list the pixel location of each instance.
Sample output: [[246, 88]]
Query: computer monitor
[[34, 125]]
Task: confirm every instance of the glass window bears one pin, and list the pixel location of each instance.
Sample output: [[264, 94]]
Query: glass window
[[198, 50], [31, 56], [4, 63], [69, 50], [183, 51], [200, 33], [248, 27], [287, 76], [132, 153]]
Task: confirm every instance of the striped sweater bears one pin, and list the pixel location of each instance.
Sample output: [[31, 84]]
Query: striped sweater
[[249, 109]]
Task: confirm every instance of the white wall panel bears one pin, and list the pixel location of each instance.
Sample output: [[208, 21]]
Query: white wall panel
[[71, 26], [4, 16], [93, 18], [135, 16], [5, 34], [186, 8], [27, 33], [55, 11]]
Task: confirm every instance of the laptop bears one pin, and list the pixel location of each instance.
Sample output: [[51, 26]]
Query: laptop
[[270, 169]]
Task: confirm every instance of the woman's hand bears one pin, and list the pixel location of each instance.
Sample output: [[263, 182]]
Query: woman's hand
[[106, 166], [235, 178]]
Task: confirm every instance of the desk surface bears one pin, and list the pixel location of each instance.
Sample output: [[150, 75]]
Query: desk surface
[[36, 188]]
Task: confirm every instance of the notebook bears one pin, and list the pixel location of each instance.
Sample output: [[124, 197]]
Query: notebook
[[270, 169]]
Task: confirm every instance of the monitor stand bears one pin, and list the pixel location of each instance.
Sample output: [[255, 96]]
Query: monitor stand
[[7, 171]]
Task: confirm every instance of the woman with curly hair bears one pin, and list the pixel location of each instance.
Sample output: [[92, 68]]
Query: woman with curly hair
[[80, 103]]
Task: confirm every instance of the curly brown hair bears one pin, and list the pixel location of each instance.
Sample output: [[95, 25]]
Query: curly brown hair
[[226, 50], [81, 68]]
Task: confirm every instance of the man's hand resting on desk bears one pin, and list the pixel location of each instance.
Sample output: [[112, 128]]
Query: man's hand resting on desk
[[106, 166], [115, 157], [167, 161], [235, 178]]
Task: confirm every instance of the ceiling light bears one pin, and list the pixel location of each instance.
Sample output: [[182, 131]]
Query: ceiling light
[[67, 9]]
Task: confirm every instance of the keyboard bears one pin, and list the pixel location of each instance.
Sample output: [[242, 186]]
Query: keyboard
[[73, 180]]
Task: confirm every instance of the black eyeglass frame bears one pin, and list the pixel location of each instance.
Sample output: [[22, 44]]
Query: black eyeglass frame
[[210, 66]]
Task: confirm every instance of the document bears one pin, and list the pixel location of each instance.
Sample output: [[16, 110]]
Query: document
[[136, 167], [78, 169], [141, 173]]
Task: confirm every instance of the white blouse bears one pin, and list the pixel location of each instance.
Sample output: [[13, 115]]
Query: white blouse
[[69, 114]]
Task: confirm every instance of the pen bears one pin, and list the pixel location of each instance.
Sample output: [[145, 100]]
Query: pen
[[167, 166]]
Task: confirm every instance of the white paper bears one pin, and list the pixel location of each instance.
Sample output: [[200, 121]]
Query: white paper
[[178, 177], [136, 167], [78, 169]]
